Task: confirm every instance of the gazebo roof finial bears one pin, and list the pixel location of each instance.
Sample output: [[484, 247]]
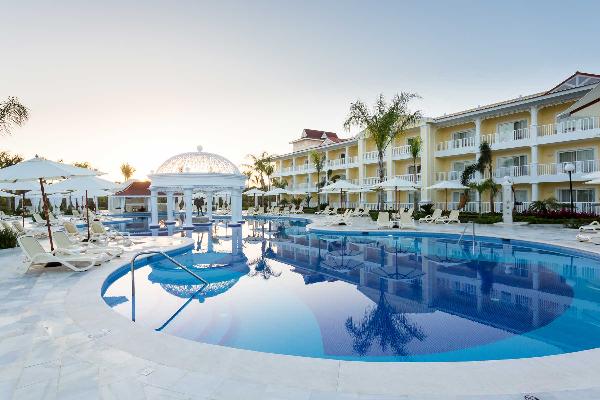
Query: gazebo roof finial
[[199, 148]]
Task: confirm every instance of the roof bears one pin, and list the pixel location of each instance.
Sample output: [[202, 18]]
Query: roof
[[138, 188], [576, 80], [591, 97], [316, 134]]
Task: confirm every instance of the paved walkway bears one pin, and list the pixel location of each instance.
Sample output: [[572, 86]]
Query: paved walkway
[[58, 340]]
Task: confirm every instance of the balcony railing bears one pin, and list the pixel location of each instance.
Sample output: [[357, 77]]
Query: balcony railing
[[371, 180], [473, 206], [341, 162], [447, 176], [401, 151], [581, 167], [410, 177], [569, 126], [456, 144], [515, 135], [371, 156]]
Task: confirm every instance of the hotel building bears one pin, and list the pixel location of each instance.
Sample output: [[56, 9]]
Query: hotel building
[[532, 137]]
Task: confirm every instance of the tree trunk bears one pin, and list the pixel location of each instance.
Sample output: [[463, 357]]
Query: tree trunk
[[491, 192], [415, 183], [381, 177]]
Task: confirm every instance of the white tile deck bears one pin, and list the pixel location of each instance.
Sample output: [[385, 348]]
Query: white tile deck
[[59, 340]]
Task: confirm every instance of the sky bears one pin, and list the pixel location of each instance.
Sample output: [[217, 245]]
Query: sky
[[116, 81]]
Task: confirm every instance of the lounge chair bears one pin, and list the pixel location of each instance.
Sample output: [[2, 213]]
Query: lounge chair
[[100, 233], [338, 219], [64, 245], [383, 220], [594, 226], [35, 254], [38, 220], [433, 217], [453, 217], [38, 232], [333, 211], [410, 212], [299, 210], [407, 222], [75, 213], [324, 211]]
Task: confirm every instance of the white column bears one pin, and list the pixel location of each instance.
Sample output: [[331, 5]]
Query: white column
[[170, 203], [361, 161], [477, 137], [427, 161], [209, 200], [189, 207], [236, 205], [533, 129], [389, 170], [154, 206], [535, 192]]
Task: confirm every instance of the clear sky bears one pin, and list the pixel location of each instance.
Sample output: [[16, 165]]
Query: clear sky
[[114, 81]]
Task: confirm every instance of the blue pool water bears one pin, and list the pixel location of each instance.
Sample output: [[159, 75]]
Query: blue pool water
[[416, 297]]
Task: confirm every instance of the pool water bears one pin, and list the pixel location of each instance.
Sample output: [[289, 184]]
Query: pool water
[[275, 288]]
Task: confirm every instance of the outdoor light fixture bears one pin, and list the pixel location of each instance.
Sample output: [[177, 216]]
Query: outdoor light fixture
[[569, 168]]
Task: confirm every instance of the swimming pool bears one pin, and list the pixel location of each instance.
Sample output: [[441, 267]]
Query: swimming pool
[[275, 288]]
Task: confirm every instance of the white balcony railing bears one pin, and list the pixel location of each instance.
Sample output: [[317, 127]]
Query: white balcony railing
[[410, 177], [581, 167], [514, 171], [569, 126], [456, 144], [447, 176], [371, 156], [516, 135], [341, 162], [401, 151], [371, 180]]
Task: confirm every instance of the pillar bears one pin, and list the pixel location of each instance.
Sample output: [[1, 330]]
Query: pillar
[[535, 192], [154, 211], [427, 161], [361, 161], [236, 206], [170, 221], [209, 205], [189, 209], [477, 137]]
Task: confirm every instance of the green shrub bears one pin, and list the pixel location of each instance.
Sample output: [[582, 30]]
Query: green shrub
[[8, 238]]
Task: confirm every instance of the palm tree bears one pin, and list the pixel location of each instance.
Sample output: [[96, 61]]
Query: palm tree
[[480, 187], [484, 163], [259, 166], [269, 169], [127, 171], [12, 112], [384, 124], [7, 159], [318, 161], [415, 151]]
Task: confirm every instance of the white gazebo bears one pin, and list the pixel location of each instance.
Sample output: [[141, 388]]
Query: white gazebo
[[197, 171]]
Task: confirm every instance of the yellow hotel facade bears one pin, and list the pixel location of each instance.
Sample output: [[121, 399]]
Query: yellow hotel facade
[[532, 137]]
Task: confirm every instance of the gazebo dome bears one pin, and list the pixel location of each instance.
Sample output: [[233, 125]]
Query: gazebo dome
[[198, 162]]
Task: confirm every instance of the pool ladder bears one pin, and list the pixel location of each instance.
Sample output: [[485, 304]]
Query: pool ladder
[[473, 235], [165, 255]]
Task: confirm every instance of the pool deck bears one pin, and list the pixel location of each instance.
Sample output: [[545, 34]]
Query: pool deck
[[59, 340]]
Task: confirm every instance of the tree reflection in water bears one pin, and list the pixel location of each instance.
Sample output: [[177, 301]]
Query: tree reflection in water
[[383, 323], [261, 264]]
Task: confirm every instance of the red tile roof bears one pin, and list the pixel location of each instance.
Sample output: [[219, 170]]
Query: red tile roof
[[315, 134], [139, 188]]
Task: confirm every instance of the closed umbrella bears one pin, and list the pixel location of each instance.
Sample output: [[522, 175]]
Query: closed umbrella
[[396, 184], [254, 192], [445, 185], [23, 187], [40, 169], [90, 185], [341, 185]]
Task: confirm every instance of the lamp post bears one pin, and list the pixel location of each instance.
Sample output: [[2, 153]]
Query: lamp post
[[569, 168]]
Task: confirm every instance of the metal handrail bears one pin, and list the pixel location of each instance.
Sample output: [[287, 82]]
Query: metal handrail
[[171, 259]]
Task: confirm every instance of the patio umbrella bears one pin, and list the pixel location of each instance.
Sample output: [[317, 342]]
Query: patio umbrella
[[40, 169], [341, 185], [445, 185], [254, 191], [396, 184], [360, 191], [276, 192], [20, 186], [85, 184]]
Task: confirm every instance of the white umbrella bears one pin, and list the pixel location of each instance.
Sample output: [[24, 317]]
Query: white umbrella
[[276, 192], [25, 186], [360, 191], [341, 185], [254, 192], [395, 184], [40, 169], [445, 185], [87, 185]]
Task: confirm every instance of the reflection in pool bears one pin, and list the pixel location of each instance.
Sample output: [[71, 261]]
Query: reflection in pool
[[273, 287]]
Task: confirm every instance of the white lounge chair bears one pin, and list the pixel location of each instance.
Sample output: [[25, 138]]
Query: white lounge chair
[[38, 220], [324, 211], [333, 211], [64, 245], [99, 232], [433, 217], [38, 232], [407, 222], [453, 217], [36, 254], [594, 226], [383, 220]]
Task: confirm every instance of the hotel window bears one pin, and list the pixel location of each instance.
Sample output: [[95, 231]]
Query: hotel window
[[520, 196], [411, 169], [579, 196], [514, 130], [463, 135], [582, 158], [513, 165]]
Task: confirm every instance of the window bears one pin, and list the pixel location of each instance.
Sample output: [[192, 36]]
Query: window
[[579, 196], [411, 169], [460, 165], [511, 166], [411, 196], [463, 135], [520, 196], [343, 156], [575, 155], [514, 130]]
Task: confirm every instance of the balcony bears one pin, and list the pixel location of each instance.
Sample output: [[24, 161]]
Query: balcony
[[342, 163], [401, 152], [455, 147], [371, 157], [371, 180], [571, 129], [505, 140], [410, 178], [556, 172]]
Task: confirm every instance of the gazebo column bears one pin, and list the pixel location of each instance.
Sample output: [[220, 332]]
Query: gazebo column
[[170, 221], [236, 206], [189, 210], [209, 200], [154, 211]]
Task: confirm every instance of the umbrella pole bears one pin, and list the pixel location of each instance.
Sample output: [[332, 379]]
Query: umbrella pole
[[87, 213], [446, 199], [45, 206], [23, 208]]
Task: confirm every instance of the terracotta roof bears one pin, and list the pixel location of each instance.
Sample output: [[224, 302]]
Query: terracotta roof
[[315, 134], [139, 188]]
